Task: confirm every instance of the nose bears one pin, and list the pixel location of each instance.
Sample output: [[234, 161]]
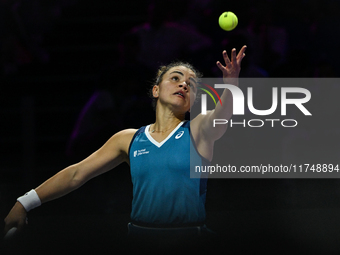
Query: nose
[[183, 85]]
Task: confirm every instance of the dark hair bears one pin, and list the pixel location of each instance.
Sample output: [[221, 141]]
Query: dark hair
[[163, 69]]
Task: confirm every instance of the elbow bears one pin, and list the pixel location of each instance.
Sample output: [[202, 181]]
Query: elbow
[[218, 127], [76, 178]]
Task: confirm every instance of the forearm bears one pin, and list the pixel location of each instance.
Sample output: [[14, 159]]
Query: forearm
[[230, 77], [60, 184], [111, 154], [224, 111]]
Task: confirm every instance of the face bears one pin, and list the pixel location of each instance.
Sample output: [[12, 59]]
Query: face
[[178, 88]]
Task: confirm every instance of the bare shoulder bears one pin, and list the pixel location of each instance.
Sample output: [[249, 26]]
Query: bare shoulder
[[122, 139], [110, 155], [127, 133], [113, 152]]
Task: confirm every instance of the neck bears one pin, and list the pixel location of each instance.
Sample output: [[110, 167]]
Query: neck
[[166, 121]]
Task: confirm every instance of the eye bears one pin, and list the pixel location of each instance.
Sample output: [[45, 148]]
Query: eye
[[175, 78]]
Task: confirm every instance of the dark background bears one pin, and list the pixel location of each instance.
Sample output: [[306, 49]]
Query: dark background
[[73, 74]]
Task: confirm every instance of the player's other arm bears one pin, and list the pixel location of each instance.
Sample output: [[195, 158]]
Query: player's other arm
[[230, 73], [203, 131], [110, 155]]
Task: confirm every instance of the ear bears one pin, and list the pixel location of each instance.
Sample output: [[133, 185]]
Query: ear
[[155, 91]]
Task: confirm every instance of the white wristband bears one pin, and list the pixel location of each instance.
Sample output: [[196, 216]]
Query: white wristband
[[30, 200]]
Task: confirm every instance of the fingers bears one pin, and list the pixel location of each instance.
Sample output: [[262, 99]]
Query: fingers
[[10, 234], [16, 218], [220, 66], [19, 226], [241, 52], [235, 59], [8, 225], [226, 59], [233, 55]]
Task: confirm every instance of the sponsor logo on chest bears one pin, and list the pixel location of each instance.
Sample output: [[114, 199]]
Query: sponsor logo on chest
[[179, 134], [137, 153]]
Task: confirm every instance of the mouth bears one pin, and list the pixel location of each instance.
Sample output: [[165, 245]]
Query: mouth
[[180, 94]]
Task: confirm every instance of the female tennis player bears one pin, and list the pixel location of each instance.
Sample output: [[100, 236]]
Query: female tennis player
[[166, 201]]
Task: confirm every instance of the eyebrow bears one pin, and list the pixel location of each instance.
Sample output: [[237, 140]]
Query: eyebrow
[[191, 78], [177, 72]]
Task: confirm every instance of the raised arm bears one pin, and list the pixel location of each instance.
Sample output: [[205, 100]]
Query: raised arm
[[110, 155], [202, 126]]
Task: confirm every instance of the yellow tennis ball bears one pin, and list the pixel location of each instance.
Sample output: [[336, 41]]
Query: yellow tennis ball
[[228, 21]]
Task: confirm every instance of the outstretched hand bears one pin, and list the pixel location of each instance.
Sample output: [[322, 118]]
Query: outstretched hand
[[17, 218], [232, 68]]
